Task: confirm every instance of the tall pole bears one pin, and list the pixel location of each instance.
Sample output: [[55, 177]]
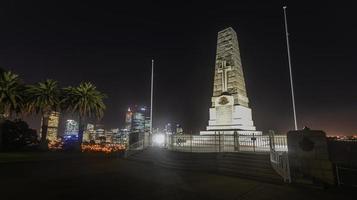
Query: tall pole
[[291, 75], [152, 94]]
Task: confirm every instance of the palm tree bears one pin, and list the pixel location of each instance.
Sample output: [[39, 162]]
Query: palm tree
[[43, 98], [1, 109], [86, 101], [11, 97]]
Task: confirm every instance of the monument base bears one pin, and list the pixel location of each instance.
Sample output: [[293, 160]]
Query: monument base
[[225, 117], [230, 132]]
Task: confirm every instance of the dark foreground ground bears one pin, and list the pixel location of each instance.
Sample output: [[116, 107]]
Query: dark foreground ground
[[64, 176]]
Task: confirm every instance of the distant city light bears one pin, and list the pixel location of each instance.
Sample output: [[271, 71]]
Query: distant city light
[[103, 148], [69, 137], [159, 139], [72, 127]]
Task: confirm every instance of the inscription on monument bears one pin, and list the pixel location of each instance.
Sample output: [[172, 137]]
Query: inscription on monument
[[223, 70], [223, 101]]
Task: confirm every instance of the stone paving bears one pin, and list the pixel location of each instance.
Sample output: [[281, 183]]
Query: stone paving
[[115, 178]]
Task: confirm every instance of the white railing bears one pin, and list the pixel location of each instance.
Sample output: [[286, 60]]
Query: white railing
[[279, 160], [345, 175], [134, 148], [275, 145], [224, 143], [143, 142], [280, 163]]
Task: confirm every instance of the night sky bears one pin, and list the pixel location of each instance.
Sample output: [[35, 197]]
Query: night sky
[[112, 46]]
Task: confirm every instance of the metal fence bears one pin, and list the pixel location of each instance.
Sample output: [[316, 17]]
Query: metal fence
[[273, 144], [343, 154], [224, 143], [346, 175], [279, 158], [144, 142]]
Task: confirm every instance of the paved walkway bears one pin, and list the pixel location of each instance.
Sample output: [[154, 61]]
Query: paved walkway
[[108, 178]]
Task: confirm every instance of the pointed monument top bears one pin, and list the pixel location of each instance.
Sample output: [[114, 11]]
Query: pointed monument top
[[227, 29]]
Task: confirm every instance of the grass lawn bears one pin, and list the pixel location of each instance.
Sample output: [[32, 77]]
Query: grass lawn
[[24, 156], [12, 157], [92, 176]]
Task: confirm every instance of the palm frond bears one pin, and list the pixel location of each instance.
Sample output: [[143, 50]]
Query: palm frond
[[85, 100], [11, 93], [43, 97]]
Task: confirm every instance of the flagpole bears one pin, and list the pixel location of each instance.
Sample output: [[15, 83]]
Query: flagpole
[[152, 94], [290, 71]]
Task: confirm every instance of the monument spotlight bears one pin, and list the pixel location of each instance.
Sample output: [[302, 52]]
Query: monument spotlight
[[159, 139]]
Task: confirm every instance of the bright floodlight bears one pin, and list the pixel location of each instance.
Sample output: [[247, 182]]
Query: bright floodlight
[[159, 139]]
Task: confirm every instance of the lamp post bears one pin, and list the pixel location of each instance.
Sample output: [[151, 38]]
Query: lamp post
[[289, 60], [152, 94]]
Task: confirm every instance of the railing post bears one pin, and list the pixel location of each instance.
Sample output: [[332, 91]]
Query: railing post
[[150, 139], [165, 143], [173, 142], [236, 142], [338, 176], [191, 142], [219, 141], [271, 140], [253, 142], [289, 175], [215, 141]]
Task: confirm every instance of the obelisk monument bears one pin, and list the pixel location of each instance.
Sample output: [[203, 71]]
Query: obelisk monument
[[230, 105]]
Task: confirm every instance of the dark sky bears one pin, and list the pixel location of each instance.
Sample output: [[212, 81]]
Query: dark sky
[[112, 45]]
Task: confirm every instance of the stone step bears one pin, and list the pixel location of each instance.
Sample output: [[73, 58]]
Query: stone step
[[234, 166], [214, 167], [246, 162], [265, 157], [141, 159], [235, 160], [267, 176], [253, 170], [186, 166], [250, 172], [255, 176], [247, 165], [263, 160]]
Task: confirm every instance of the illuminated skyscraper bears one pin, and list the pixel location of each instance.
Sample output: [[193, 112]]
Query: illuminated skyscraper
[[179, 129], [52, 130], [128, 119], [137, 119], [168, 129], [147, 124], [138, 122], [89, 133], [72, 127]]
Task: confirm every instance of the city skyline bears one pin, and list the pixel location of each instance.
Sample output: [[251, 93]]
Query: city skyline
[[114, 48]]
